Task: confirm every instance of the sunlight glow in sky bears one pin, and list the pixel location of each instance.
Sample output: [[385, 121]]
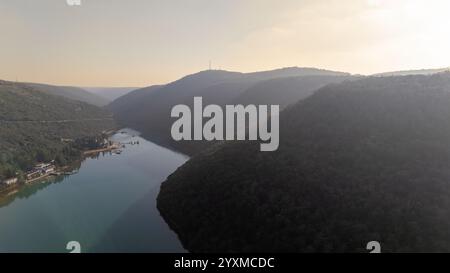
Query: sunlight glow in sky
[[145, 42]]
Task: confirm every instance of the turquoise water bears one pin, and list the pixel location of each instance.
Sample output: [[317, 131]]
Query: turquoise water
[[108, 206]]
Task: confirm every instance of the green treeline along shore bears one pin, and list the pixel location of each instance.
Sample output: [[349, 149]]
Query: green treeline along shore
[[37, 127]]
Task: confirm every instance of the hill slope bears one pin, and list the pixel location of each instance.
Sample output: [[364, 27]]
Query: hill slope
[[73, 93], [33, 122], [358, 161], [149, 112], [286, 91]]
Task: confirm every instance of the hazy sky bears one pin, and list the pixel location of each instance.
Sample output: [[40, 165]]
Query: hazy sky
[[144, 42]]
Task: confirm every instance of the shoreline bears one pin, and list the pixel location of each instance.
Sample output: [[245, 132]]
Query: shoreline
[[69, 169], [113, 147], [11, 190]]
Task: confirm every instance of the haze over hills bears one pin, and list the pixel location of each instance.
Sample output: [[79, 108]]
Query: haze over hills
[[126, 104], [413, 72], [110, 93], [73, 93], [33, 122], [359, 161], [286, 91], [148, 110]]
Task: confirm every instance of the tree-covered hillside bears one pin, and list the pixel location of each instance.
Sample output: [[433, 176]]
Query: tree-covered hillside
[[33, 124], [359, 161]]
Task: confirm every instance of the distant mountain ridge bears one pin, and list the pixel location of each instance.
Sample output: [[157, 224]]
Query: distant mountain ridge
[[110, 93], [148, 109], [413, 72], [70, 92]]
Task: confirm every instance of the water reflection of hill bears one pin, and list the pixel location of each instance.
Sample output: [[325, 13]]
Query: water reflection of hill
[[126, 234]]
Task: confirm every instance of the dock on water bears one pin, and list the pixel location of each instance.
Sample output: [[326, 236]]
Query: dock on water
[[112, 147]]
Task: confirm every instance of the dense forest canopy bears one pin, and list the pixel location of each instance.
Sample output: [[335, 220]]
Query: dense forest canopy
[[360, 161]]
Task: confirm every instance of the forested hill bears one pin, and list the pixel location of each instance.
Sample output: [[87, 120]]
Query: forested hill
[[148, 109], [33, 123], [73, 93], [359, 161]]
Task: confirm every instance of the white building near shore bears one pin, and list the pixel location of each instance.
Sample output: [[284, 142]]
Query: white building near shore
[[10, 181]]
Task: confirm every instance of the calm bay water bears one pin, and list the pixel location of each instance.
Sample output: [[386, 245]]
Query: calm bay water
[[108, 206]]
